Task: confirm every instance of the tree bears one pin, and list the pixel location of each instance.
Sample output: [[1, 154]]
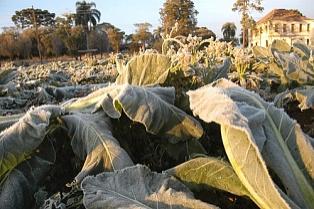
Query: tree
[[34, 18], [181, 12], [87, 16], [229, 31], [205, 33], [98, 39], [115, 35], [157, 39], [245, 7], [142, 36], [24, 44], [8, 43], [71, 36]]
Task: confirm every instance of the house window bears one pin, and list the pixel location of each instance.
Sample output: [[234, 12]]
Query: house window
[[308, 27], [276, 27], [300, 28], [292, 28], [266, 28], [284, 28], [308, 42], [266, 43]]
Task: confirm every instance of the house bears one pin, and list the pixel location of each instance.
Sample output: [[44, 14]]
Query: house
[[288, 25]]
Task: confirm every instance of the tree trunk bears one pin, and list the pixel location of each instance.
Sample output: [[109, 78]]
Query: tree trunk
[[37, 36], [39, 48], [244, 37]]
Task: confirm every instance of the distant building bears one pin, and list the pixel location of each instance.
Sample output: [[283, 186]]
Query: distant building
[[288, 25]]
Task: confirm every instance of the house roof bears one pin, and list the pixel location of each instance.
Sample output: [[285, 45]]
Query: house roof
[[283, 14]]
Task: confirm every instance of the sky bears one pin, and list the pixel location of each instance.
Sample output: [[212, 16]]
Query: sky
[[125, 13]]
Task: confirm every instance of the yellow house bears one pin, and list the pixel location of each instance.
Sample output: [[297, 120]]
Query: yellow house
[[288, 25]]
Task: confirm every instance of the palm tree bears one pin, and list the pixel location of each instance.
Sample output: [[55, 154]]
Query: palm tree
[[87, 16], [229, 31]]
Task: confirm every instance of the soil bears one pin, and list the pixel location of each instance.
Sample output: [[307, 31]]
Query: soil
[[304, 118]]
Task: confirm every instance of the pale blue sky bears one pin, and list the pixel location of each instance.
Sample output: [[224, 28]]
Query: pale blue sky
[[124, 13]]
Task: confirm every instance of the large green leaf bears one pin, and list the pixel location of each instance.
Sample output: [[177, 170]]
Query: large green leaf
[[255, 132], [220, 71], [153, 107], [280, 46], [145, 69], [210, 172], [17, 190], [93, 142], [87, 103], [21, 139], [262, 53], [303, 50], [297, 69], [137, 188]]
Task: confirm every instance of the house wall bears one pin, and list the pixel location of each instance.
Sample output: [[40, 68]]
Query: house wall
[[266, 32]]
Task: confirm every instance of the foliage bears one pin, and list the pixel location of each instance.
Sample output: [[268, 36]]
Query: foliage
[[21, 139], [8, 46], [181, 12], [86, 16], [93, 142], [115, 36], [237, 147], [304, 95], [204, 33], [138, 187], [86, 13], [264, 136], [229, 31], [198, 172], [145, 69], [244, 7], [31, 17], [34, 18], [142, 37], [290, 64]]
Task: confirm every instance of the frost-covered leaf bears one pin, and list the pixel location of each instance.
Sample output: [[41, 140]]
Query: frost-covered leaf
[[145, 69], [21, 139], [87, 103], [261, 53], [280, 46], [137, 188], [297, 69], [6, 75], [93, 142], [220, 71], [300, 48], [153, 107], [255, 132], [304, 95], [18, 188], [209, 172], [7, 121]]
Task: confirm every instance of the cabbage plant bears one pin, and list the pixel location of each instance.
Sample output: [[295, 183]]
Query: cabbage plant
[[265, 156], [288, 63]]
